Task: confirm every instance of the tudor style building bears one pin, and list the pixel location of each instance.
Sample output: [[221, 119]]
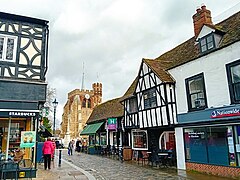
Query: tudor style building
[[150, 109], [23, 67]]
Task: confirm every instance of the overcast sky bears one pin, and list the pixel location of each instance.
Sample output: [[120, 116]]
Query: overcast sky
[[110, 37]]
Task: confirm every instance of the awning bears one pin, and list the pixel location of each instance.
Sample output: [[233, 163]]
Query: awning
[[91, 128]]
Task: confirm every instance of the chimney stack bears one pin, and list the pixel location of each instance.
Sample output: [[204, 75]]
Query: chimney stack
[[202, 16]]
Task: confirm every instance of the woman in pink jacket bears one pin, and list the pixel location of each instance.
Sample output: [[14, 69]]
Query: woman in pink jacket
[[47, 153]]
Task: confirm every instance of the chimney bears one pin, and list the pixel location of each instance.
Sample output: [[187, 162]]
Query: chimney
[[202, 16]]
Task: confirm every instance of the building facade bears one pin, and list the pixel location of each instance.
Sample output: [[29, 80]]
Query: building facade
[[23, 67], [78, 108], [191, 94], [207, 91]]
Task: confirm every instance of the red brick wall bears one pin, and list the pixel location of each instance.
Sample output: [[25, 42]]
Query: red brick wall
[[214, 170]]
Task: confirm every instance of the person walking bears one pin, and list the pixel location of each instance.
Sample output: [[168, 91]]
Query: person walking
[[47, 151], [70, 147], [54, 147]]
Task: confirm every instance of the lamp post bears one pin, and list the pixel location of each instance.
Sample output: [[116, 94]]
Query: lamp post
[[55, 103]]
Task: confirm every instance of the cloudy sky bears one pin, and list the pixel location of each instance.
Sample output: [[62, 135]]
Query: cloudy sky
[[110, 37]]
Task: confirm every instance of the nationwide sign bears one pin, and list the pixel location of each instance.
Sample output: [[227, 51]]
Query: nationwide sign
[[225, 113]]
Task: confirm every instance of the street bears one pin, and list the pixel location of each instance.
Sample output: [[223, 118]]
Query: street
[[109, 168]]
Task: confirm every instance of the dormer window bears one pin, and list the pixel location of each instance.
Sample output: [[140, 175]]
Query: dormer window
[[207, 43]]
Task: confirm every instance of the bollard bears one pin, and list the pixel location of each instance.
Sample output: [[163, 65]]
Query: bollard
[[60, 157]]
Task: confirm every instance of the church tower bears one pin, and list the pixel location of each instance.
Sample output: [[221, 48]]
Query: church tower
[[78, 108]]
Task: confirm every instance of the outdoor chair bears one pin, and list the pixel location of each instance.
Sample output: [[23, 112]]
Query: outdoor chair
[[9, 168], [143, 156]]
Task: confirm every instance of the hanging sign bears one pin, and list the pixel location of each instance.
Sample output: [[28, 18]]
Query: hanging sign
[[28, 139], [112, 123], [225, 113]]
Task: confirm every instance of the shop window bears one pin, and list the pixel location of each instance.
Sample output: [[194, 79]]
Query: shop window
[[8, 45], [196, 95], [91, 139], [14, 137], [103, 139], [150, 99], [213, 145], [217, 144], [237, 141], [233, 73], [140, 140], [195, 145]]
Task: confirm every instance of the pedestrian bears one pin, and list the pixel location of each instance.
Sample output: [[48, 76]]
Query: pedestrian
[[47, 151], [54, 147], [70, 147], [57, 143], [78, 145]]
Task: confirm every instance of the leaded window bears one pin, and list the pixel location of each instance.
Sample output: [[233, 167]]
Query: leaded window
[[150, 99], [133, 105], [8, 46]]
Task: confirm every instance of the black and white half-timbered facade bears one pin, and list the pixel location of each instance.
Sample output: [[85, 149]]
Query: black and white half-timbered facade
[[150, 109], [23, 67]]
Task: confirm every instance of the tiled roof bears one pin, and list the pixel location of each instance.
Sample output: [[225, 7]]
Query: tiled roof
[[111, 108], [188, 51]]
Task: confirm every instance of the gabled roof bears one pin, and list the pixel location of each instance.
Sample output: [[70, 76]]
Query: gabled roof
[[111, 108], [188, 51]]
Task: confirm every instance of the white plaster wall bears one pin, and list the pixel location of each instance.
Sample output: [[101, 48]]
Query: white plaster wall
[[180, 148], [214, 68]]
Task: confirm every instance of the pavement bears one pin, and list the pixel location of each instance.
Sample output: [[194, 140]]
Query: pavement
[[67, 171], [94, 167]]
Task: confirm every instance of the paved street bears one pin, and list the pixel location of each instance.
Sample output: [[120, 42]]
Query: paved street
[[109, 168]]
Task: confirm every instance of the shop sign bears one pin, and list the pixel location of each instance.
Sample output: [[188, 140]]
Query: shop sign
[[23, 114], [44, 112], [225, 113], [28, 139], [112, 123]]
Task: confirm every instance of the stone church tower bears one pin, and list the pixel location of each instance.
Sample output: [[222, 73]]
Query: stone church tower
[[78, 108]]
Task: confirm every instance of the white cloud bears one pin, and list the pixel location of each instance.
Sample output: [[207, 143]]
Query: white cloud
[[110, 36]]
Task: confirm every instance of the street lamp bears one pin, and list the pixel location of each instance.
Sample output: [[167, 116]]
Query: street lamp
[[55, 103]]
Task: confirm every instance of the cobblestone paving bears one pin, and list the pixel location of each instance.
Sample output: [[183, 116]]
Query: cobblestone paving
[[107, 168]]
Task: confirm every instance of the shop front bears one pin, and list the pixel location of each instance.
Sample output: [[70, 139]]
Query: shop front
[[212, 143], [18, 131]]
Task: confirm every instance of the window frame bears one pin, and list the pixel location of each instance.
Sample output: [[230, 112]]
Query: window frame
[[230, 82], [133, 107], [4, 48], [195, 77], [144, 144], [206, 43], [151, 98]]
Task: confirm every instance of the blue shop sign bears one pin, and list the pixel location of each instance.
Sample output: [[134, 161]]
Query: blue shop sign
[[210, 114]]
